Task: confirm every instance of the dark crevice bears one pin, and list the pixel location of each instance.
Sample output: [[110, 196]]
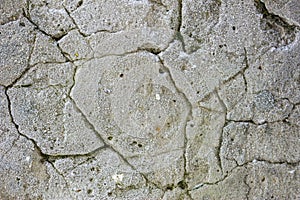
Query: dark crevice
[[276, 26], [40, 152], [218, 149], [45, 157], [73, 20], [56, 39], [178, 34], [26, 14]]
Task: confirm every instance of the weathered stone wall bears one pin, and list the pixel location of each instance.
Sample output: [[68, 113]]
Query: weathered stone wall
[[149, 99]]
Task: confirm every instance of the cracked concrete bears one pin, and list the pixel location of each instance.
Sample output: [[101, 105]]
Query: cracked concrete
[[149, 99]]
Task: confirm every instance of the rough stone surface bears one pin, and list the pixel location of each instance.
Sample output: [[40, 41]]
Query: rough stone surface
[[149, 99]]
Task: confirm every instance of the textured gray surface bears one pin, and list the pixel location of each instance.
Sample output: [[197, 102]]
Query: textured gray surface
[[149, 99]]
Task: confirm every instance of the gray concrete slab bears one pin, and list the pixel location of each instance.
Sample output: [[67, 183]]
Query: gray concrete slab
[[149, 99]]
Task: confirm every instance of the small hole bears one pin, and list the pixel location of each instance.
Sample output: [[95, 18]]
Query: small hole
[[22, 24], [109, 194], [198, 92], [233, 28], [263, 179], [182, 184], [260, 68], [169, 187], [174, 101], [183, 68], [161, 71], [232, 139], [140, 145], [110, 138], [272, 197], [121, 75], [89, 191], [79, 4], [91, 179]]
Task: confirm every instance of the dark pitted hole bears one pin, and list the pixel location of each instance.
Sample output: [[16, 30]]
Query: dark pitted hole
[[79, 3], [109, 194], [263, 179], [110, 138], [22, 24], [233, 28], [198, 92], [121, 75], [170, 187], [182, 184], [174, 100], [91, 179], [140, 145], [260, 68], [89, 191]]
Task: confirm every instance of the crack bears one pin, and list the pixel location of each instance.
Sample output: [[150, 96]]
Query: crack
[[246, 60], [46, 157], [41, 154], [106, 145], [27, 16], [283, 162], [28, 65], [178, 34], [187, 119], [244, 165], [227, 175], [218, 149], [74, 22], [241, 72], [248, 186], [276, 19], [73, 84], [64, 178]]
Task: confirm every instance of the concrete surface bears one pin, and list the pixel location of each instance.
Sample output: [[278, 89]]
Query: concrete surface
[[149, 99]]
